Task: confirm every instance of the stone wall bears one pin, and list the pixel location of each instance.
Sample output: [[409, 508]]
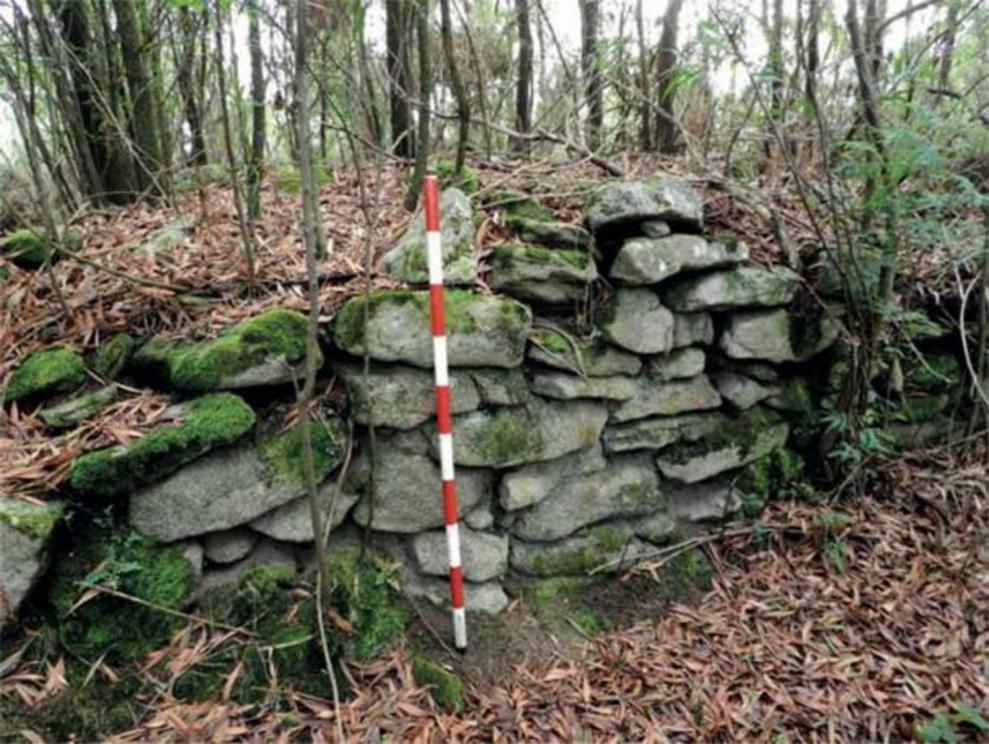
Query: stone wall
[[613, 393]]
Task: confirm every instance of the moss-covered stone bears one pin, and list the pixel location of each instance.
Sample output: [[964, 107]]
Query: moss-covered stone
[[44, 374], [283, 453], [519, 205], [208, 422], [917, 409], [267, 349], [76, 410], [27, 249], [113, 356], [937, 373], [446, 688], [111, 627], [466, 180], [36, 522]]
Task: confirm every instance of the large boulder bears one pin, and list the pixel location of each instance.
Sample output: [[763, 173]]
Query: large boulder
[[564, 386], [268, 349], [407, 495], [611, 545], [234, 486], [25, 532], [651, 260], [544, 275], [637, 321], [778, 335], [482, 330], [742, 286], [407, 261], [740, 441], [44, 374], [620, 203], [530, 484], [629, 486], [484, 555], [194, 428], [587, 357], [657, 433], [535, 432], [658, 398]]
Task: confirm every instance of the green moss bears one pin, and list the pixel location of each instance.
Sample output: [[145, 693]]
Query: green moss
[[288, 179], [548, 593], [366, 594], [75, 411], [795, 396], [446, 688], [504, 256], [114, 355], [518, 205], [26, 248], [205, 366], [4, 273], [937, 373], [777, 476], [283, 453], [37, 522], [210, 421], [689, 572], [504, 434], [109, 626], [467, 180], [44, 374], [922, 408]]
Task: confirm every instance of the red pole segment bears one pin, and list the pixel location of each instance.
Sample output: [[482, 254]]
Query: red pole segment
[[443, 416]]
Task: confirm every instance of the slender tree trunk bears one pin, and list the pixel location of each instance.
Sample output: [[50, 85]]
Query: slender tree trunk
[[776, 73], [591, 66], [811, 67], [399, 66], [457, 83], [667, 130], [946, 54], [645, 125], [482, 102], [523, 88], [185, 73], [256, 163], [425, 94]]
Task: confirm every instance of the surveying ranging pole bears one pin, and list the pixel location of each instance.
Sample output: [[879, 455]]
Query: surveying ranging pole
[[444, 418]]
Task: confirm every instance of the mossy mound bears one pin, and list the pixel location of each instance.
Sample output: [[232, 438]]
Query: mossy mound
[[446, 688], [44, 374], [268, 349], [114, 355], [27, 249], [466, 180], [99, 625], [210, 421]]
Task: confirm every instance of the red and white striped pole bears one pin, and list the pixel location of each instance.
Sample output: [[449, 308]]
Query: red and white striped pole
[[431, 197]]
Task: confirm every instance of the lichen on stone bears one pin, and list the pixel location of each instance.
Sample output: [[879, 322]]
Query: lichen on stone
[[44, 374], [208, 422]]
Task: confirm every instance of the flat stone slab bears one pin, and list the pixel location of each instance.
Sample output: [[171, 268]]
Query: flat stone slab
[[637, 321], [611, 544], [657, 433], [742, 286], [593, 358], [740, 391], [487, 598], [535, 432], [482, 330], [293, 521], [407, 260], [644, 261], [532, 483], [542, 275], [659, 398], [563, 386], [777, 335], [677, 364], [25, 533], [551, 233], [484, 556], [229, 546], [709, 501], [629, 486], [664, 198]]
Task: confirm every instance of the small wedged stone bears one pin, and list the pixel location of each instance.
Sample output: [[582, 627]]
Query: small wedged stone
[[677, 364], [542, 275], [76, 410], [292, 522], [651, 260], [655, 229], [638, 321], [612, 545], [664, 198], [657, 433], [740, 391], [658, 398], [563, 386], [268, 349], [540, 430], [629, 486], [407, 491], [401, 397], [497, 387], [692, 328], [482, 330], [26, 530], [487, 598], [484, 556], [747, 438], [407, 260], [656, 528], [708, 501], [532, 483], [777, 335], [229, 546], [742, 286], [481, 518], [591, 357]]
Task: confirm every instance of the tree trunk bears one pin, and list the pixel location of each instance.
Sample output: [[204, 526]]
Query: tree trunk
[[776, 72], [256, 163], [185, 73], [523, 89], [645, 125], [399, 66], [425, 93], [591, 66], [457, 83], [667, 130]]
